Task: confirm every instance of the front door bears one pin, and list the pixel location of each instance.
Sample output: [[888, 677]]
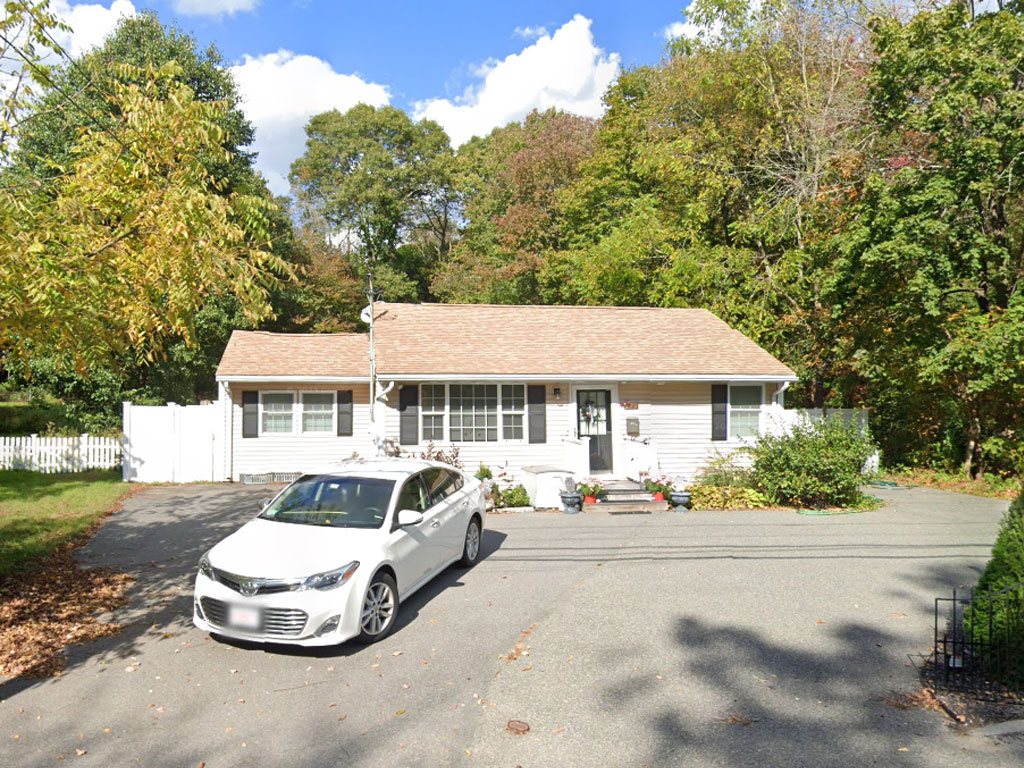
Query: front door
[[593, 414]]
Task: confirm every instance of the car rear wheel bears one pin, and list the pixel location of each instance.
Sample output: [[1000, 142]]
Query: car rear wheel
[[471, 547], [380, 609]]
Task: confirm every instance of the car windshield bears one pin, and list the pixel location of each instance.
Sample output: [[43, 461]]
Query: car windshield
[[339, 502]]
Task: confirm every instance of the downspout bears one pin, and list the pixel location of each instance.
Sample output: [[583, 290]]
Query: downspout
[[779, 400]]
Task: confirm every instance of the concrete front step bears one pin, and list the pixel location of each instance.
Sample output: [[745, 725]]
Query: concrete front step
[[626, 497], [629, 508]]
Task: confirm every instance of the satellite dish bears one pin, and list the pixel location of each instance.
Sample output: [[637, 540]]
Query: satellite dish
[[365, 314]]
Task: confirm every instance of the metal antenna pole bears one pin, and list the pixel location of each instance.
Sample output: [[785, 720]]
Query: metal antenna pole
[[373, 355]]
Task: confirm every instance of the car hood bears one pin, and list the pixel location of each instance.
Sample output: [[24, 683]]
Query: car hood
[[272, 550]]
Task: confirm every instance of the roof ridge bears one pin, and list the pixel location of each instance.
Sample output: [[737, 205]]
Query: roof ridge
[[542, 306]]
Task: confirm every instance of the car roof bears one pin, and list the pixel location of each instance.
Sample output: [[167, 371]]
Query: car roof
[[383, 467]]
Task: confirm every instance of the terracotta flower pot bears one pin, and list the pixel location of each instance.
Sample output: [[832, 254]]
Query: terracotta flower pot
[[590, 499], [659, 496]]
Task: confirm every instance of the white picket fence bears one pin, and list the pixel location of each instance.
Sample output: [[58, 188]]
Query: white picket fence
[[59, 454]]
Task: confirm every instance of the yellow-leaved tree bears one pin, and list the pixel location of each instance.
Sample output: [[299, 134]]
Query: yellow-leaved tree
[[118, 254]]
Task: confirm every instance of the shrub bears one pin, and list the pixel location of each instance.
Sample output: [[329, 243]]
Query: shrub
[[516, 496], [725, 497], [484, 473], [998, 621], [818, 465], [725, 472]]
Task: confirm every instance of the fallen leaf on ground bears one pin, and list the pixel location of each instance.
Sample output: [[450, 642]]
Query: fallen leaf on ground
[[517, 727], [820, 621], [520, 648], [400, 712], [43, 612], [734, 718], [396, 653], [80, 752]]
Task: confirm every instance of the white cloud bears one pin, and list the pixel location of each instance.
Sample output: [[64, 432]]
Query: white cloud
[[565, 70], [690, 30], [90, 23], [530, 33], [213, 7], [281, 91]]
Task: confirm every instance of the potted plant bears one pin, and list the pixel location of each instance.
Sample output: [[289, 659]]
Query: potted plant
[[590, 488], [658, 486]]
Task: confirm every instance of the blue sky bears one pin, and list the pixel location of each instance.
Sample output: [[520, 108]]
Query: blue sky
[[471, 66]]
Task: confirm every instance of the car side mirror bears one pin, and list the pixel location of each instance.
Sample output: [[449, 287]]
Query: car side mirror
[[409, 517], [264, 504]]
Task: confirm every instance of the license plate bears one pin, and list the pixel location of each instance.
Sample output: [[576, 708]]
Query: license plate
[[243, 617]]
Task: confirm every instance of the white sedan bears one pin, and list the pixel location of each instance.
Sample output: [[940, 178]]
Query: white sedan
[[333, 555]]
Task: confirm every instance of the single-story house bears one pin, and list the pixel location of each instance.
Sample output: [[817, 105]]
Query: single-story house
[[588, 390]]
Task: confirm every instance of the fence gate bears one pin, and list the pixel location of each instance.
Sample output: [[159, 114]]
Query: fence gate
[[171, 443]]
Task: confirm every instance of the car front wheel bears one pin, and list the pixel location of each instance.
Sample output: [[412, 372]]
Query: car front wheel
[[471, 547], [380, 609]]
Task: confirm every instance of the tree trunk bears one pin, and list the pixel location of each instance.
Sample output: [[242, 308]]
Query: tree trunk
[[972, 453]]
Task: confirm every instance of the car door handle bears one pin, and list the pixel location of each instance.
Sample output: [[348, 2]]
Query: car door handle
[[435, 523]]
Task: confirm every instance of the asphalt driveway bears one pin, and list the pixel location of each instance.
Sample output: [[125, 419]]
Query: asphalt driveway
[[706, 639]]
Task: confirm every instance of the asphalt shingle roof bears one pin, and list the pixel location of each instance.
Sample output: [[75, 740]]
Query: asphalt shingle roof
[[486, 340]]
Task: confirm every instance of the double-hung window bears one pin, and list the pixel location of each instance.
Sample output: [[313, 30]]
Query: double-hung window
[[278, 410], [432, 396], [513, 404], [744, 411], [473, 413], [318, 412]]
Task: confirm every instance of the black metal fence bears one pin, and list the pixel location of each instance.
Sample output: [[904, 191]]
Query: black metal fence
[[979, 641]]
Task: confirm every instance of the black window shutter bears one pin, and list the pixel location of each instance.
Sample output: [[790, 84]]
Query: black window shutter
[[344, 413], [409, 414], [719, 411], [535, 403], [250, 414]]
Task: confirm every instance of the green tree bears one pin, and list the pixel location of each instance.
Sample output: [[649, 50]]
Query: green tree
[[511, 181], [78, 93], [377, 180], [932, 263]]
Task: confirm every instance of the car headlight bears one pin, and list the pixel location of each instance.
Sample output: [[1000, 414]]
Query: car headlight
[[204, 566], [330, 579]]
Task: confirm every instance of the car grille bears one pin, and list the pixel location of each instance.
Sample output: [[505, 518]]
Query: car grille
[[262, 586], [278, 622]]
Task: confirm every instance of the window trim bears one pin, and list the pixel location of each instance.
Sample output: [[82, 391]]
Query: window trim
[[746, 408], [262, 432], [447, 440], [525, 427], [333, 430], [298, 402], [443, 413]]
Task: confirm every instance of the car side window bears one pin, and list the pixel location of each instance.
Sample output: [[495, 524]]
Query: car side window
[[440, 484], [413, 496]]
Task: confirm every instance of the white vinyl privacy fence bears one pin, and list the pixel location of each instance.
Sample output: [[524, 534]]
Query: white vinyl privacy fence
[[59, 454], [172, 443]]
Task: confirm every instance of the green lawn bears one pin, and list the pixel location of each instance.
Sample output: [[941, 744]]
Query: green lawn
[[40, 512]]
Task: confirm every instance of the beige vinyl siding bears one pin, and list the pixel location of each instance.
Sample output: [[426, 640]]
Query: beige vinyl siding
[[297, 452], [677, 419], [503, 456]]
